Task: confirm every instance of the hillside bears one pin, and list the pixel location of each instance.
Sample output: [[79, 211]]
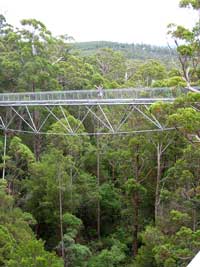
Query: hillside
[[132, 51]]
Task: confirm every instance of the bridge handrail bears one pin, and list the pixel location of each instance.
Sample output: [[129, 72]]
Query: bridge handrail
[[125, 93]]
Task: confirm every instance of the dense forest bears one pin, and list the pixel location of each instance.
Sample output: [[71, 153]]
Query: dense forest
[[109, 200], [131, 51]]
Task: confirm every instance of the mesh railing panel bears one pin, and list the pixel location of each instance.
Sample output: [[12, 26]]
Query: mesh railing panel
[[77, 95]]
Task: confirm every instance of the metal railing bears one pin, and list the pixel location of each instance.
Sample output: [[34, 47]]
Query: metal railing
[[78, 96]]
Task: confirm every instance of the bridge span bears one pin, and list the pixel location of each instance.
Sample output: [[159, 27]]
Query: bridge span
[[114, 111], [82, 112], [90, 97]]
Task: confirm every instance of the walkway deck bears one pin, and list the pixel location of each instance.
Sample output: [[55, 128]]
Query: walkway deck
[[139, 96]]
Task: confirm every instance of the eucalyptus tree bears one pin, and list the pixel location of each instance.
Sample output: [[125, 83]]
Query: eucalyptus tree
[[128, 162], [25, 63], [148, 72], [175, 239], [19, 246], [19, 160], [74, 253], [9, 57], [182, 183], [188, 45], [110, 64], [164, 143], [54, 183], [76, 74], [186, 116]]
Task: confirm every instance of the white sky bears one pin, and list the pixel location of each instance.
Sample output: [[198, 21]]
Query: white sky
[[131, 21]]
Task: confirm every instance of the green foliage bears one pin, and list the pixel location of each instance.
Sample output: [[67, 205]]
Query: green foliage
[[6, 244], [148, 72], [145, 257], [32, 253], [132, 186], [19, 150], [110, 64], [190, 3], [3, 185], [109, 257], [186, 118], [18, 246], [187, 45], [132, 51], [72, 224], [179, 217], [75, 254], [162, 249], [75, 73], [144, 206], [79, 255], [170, 82], [110, 198], [70, 145]]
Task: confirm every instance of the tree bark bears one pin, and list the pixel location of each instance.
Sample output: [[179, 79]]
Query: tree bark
[[98, 184], [136, 206], [37, 137], [135, 223], [61, 218], [158, 178]]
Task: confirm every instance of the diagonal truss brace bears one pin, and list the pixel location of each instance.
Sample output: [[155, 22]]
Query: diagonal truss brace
[[105, 117], [35, 131], [31, 119], [69, 130], [125, 117], [152, 120], [98, 118]]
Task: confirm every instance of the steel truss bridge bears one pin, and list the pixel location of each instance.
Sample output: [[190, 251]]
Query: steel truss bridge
[[117, 111], [83, 112]]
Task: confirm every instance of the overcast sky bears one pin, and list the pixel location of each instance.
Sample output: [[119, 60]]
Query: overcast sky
[[131, 21]]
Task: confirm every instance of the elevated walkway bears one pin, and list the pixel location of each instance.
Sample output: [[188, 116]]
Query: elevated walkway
[[115, 111], [125, 96]]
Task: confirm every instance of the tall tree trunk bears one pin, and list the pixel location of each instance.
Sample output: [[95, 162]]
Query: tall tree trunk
[[135, 201], [37, 137], [37, 147], [4, 155], [61, 218], [194, 219], [136, 207], [113, 172], [98, 184], [158, 178]]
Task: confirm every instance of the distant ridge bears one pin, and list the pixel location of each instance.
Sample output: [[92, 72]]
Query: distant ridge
[[131, 51]]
